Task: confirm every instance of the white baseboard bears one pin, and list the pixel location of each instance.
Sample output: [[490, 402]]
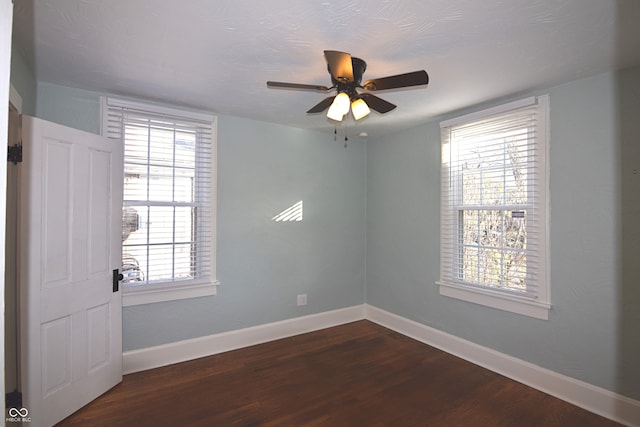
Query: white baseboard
[[181, 351], [592, 398]]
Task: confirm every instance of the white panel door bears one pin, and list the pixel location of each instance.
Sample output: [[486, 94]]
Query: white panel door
[[71, 232]]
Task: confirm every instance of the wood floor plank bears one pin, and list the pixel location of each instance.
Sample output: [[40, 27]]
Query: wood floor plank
[[358, 374]]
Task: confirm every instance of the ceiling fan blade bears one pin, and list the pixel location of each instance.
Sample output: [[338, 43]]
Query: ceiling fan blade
[[340, 65], [415, 78], [297, 86], [322, 105], [377, 104]]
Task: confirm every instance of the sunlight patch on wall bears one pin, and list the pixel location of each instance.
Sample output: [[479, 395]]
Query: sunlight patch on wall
[[293, 213]]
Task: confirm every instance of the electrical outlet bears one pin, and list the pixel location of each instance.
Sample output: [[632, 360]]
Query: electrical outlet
[[302, 299]]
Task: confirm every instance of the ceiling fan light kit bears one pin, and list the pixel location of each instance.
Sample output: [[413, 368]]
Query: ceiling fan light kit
[[346, 75], [359, 109], [341, 103], [335, 112]]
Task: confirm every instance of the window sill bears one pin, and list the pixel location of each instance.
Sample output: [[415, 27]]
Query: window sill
[[132, 295], [495, 300]]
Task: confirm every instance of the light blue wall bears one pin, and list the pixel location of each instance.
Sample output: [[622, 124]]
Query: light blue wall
[[262, 264], [263, 169], [592, 333], [23, 81], [76, 108], [628, 233], [392, 185]]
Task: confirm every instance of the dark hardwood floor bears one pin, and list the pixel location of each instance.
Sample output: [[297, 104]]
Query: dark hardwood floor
[[359, 374]]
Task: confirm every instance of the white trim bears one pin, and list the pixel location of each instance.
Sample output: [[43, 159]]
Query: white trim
[[169, 293], [174, 290], [592, 398], [545, 129], [159, 109], [487, 112], [450, 285], [167, 354], [213, 217], [6, 23], [495, 300]]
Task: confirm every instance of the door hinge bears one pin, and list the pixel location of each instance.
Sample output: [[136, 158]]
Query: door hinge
[[117, 277], [14, 154]]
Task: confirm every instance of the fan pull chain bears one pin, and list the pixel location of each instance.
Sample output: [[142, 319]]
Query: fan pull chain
[[346, 138]]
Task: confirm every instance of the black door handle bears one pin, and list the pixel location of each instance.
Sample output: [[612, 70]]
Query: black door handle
[[117, 277]]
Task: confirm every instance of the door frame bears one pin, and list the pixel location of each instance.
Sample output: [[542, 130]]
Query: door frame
[[6, 23], [12, 305]]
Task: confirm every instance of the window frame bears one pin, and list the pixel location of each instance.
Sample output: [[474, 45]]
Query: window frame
[[175, 289], [539, 305]]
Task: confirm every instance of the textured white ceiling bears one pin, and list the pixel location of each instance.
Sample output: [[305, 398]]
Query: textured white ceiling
[[217, 55]]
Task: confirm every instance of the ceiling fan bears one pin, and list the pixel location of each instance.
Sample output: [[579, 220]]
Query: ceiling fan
[[346, 76]]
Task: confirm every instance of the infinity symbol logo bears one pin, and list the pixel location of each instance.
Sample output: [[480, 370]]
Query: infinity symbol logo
[[22, 412]]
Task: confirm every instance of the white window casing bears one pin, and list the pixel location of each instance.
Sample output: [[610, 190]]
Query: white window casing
[[494, 207], [169, 206]]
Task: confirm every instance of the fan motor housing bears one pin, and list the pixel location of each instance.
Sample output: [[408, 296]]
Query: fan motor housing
[[359, 67], [349, 87]]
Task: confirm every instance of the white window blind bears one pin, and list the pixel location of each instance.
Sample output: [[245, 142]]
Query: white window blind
[[169, 194], [494, 205]]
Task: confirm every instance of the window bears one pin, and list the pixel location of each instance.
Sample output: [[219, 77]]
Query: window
[[493, 244], [168, 228]]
